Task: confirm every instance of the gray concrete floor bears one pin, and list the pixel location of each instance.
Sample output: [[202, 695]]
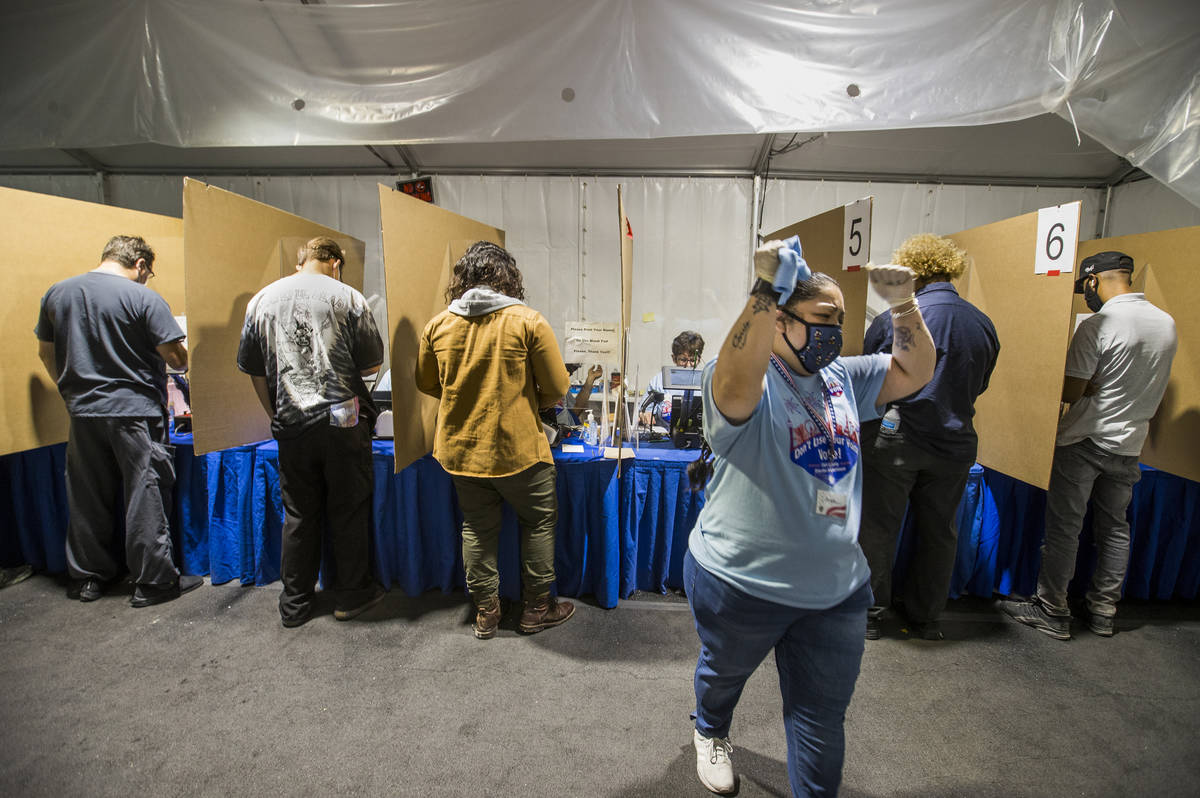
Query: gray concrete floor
[[209, 695]]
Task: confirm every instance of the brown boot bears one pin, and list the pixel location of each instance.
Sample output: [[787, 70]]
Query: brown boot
[[543, 612], [487, 617]]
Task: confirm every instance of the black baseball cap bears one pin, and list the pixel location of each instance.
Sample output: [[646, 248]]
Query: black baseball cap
[[1102, 262]]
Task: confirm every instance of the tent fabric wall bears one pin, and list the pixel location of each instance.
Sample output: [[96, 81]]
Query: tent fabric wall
[[1148, 206], [691, 235]]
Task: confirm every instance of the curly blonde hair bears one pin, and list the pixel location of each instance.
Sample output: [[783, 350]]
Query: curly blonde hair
[[931, 256]]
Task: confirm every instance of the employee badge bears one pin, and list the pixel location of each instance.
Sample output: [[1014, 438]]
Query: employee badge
[[830, 504]]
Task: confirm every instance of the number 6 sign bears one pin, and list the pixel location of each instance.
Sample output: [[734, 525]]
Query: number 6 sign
[[1058, 234]]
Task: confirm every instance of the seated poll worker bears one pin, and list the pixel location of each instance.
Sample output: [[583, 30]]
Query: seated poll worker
[[106, 340], [1118, 365], [493, 362], [585, 389], [307, 343], [773, 561], [686, 350], [921, 453]]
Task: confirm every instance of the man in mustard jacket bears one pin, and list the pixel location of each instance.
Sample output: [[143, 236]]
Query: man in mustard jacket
[[493, 362]]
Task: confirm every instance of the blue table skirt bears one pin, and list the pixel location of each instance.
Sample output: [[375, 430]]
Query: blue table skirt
[[615, 536]]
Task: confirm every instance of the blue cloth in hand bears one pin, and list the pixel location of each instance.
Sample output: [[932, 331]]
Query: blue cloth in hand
[[792, 268]]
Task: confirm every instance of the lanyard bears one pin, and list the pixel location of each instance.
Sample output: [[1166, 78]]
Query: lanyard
[[828, 424]]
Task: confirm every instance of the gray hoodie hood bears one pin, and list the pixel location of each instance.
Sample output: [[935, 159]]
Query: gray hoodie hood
[[480, 301]]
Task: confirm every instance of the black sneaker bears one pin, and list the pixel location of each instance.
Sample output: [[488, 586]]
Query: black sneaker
[[86, 589], [374, 597], [929, 630], [1100, 624], [292, 621], [1032, 613], [873, 632], [11, 576], [149, 595]]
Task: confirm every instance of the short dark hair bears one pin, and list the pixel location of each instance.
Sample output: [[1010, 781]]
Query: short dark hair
[[485, 263], [811, 288], [126, 250], [323, 248], [687, 342]]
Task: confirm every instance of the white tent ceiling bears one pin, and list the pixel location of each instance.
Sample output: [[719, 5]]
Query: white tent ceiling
[[911, 90]]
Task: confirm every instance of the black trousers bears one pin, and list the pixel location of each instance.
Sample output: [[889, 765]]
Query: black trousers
[[326, 483], [108, 456], [899, 475]]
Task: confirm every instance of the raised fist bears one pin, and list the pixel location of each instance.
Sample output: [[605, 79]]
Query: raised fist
[[893, 283]]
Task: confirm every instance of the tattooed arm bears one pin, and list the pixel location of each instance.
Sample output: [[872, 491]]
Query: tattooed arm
[[913, 353], [737, 382]]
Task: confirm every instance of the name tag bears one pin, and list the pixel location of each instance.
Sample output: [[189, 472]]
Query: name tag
[[830, 504]]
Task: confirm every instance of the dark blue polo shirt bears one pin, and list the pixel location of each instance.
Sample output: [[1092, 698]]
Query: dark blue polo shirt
[[938, 417]]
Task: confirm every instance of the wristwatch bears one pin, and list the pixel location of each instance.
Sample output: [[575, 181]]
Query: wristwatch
[[763, 287]]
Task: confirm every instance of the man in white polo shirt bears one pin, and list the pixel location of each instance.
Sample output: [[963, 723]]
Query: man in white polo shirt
[[1117, 370]]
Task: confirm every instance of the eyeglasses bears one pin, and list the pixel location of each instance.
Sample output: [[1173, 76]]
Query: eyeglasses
[[146, 267]]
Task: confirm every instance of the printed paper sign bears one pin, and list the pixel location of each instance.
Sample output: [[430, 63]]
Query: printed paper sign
[[1057, 237], [856, 240], [591, 342]]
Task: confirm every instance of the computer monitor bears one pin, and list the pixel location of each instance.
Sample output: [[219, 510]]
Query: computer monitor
[[675, 378]]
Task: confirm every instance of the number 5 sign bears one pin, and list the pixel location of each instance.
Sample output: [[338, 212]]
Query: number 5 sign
[[856, 239], [1057, 237]]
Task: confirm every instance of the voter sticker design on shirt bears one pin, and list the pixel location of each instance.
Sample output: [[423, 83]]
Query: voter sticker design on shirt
[[809, 447]]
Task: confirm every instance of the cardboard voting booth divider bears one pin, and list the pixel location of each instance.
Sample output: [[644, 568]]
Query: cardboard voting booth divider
[[68, 237], [1017, 416], [825, 241], [421, 244], [1165, 268], [233, 247]]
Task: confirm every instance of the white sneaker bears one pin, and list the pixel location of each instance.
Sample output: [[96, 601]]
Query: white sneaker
[[713, 765]]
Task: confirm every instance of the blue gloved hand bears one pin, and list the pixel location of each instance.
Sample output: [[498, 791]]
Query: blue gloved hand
[[781, 264], [792, 268]]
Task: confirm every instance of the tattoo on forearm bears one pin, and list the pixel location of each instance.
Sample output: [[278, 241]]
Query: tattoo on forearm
[[739, 338], [904, 339], [762, 304]]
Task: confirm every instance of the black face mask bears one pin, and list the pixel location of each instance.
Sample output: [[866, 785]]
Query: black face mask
[[1093, 300], [823, 344]]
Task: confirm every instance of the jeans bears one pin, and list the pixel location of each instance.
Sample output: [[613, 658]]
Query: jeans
[[817, 653], [105, 456], [896, 475], [1081, 471], [326, 483], [533, 495]]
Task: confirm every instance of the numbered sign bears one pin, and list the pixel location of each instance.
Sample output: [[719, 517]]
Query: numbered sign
[[1057, 237], [856, 240]]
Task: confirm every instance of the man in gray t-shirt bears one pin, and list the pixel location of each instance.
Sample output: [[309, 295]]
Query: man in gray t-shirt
[[307, 342], [106, 340], [1117, 369]]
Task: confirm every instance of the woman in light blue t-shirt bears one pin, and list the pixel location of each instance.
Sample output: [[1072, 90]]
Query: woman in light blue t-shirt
[[774, 561]]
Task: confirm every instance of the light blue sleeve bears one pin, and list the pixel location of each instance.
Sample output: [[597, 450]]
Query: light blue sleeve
[[865, 374], [720, 434]]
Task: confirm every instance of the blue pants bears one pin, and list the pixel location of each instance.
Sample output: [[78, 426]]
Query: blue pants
[[817, 654]]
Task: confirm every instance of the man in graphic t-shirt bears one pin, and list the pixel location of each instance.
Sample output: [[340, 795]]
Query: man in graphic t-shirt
[[307, 343], [106, 340]]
